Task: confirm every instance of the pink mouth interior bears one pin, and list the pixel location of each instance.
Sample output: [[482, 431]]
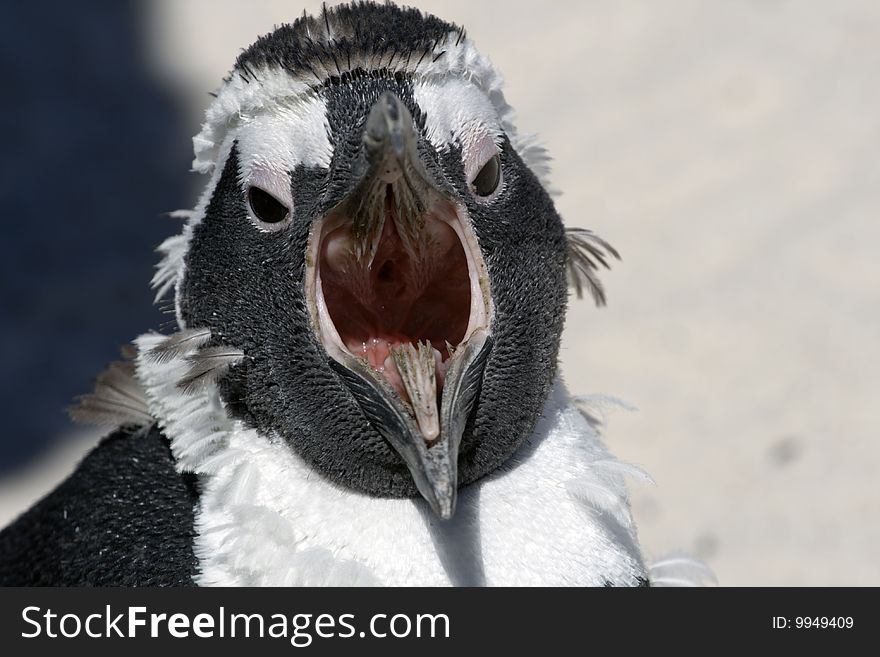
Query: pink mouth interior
[[401, 298]]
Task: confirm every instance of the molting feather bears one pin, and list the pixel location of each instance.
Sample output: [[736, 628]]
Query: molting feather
[[207, 365], [179, 344], [603, 488], [595, 409], [681, 570], [118, 399], [585, 252], [172, 250]]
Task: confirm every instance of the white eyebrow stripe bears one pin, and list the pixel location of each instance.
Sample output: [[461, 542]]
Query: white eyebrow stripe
[[284, 136], [456, 112]]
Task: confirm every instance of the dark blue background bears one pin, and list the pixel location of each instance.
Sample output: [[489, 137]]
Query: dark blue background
[[94, 151]]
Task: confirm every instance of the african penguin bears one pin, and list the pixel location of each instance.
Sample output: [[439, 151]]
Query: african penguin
[[363, 388]]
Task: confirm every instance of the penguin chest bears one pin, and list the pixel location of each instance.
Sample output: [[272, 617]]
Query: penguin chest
[[556, 515]]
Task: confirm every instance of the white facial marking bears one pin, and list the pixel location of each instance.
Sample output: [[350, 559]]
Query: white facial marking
[[284, 136], [456, 111]]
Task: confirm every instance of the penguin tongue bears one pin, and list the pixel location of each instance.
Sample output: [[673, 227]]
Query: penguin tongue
[[416, 369]]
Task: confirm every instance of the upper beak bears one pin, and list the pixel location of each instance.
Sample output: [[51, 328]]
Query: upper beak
[[389, 130], [389, 171], [389, 167]]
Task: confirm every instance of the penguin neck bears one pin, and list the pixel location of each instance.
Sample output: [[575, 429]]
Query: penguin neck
[[557, 513]]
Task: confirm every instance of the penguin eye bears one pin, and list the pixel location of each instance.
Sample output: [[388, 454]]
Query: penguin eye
[[486, 181], [266, 207]]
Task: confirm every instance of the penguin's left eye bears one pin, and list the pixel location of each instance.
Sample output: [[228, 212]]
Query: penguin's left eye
[[266, 207], [486, 181]]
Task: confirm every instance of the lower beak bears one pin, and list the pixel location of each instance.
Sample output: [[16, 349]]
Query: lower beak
[[434, 467]]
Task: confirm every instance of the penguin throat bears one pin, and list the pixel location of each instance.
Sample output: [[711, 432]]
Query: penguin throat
[[408, 306]]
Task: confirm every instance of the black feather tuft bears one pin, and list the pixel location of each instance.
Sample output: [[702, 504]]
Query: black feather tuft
[[207, 365], [179, 344], [585, 252]]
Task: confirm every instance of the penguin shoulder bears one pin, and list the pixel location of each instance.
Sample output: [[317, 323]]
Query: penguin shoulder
[[124, 517]]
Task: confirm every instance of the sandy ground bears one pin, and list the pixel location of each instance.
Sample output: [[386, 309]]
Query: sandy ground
[[729, 150]]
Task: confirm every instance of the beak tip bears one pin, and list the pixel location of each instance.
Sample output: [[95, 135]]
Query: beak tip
[[444, 504]]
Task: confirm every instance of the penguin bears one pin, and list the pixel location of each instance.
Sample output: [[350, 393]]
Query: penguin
[[363, 385]]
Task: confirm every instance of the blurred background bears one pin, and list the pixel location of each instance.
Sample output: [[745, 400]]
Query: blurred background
[[728, 149]]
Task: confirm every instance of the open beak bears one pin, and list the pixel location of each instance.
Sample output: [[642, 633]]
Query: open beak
[[399, 297]]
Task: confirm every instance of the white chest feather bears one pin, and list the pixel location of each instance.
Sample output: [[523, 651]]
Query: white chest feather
[[556, 514]]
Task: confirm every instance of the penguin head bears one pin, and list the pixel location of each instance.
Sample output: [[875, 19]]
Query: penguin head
[[376, 240]]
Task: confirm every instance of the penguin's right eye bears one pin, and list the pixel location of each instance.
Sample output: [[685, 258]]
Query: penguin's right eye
[[266, 207]]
